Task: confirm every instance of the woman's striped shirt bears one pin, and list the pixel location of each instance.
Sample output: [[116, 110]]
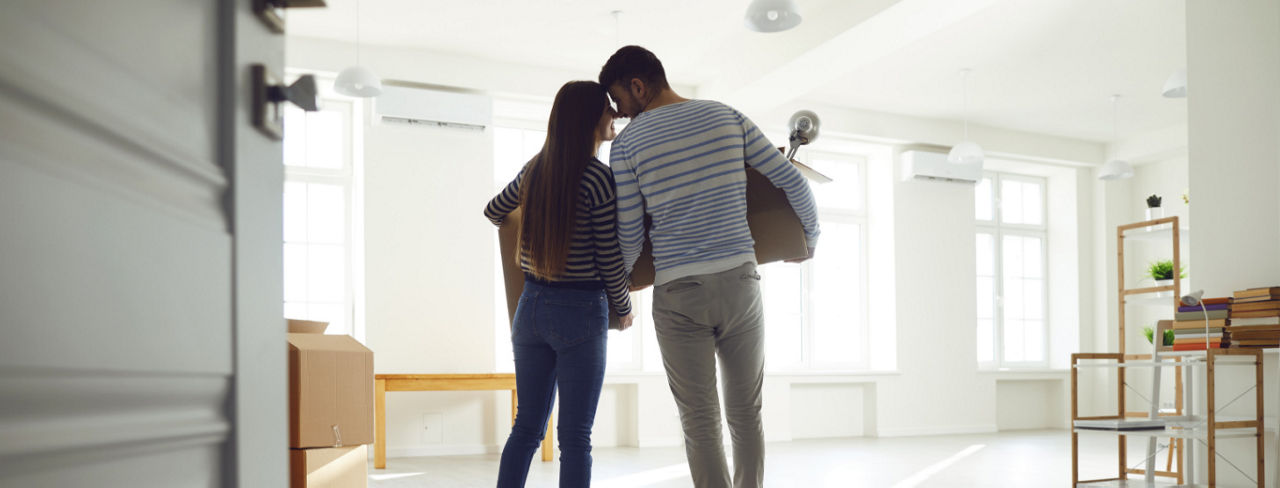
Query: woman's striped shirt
[[594, 255]]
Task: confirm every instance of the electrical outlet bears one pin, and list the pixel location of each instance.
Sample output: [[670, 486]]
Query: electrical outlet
[[432, 428]]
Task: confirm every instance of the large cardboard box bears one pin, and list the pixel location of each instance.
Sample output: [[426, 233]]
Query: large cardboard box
[[330, 391], [774, 225], [331, 467]]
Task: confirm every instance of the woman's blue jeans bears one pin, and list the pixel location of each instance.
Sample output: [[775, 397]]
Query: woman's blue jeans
[[559, 337]]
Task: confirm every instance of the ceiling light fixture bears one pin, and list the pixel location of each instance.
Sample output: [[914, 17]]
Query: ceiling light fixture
[[358, 81], [1176, 85], [772, 15], [1115, 169], [966, 152]]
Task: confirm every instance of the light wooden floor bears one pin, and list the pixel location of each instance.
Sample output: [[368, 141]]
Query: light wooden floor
[[1021, 459]]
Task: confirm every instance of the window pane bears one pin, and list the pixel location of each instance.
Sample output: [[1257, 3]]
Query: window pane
[[1011, 202], [325, 141], [295, 135], [986, 340], [1033, 211], [326, 273], [331, 313], [1013, 261], [295, 273], [844, 192], [783, 305], [1033, 345], [983, 209], [986, 297], [1013, 341], [836, 295], [1032, 257], [986, 245], [326, 214], [621, 349], [295, 310], [295, 211]]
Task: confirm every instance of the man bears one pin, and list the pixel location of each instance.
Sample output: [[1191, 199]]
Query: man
[[681, 162]]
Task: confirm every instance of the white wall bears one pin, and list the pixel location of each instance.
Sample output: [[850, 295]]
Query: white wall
[[1233, 69], [428, 251]]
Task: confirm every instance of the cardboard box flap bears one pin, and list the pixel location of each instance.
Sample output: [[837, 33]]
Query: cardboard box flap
[[322, 342], [297, 326]]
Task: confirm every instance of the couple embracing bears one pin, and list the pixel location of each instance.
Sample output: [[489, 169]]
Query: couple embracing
[[681, 163]]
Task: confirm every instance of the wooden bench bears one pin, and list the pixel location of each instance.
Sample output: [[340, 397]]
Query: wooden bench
[[441, 382]]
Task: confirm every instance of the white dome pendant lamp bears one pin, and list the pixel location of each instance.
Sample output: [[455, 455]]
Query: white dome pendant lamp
[[1176, 85], [358, 81], [772, 15], [966, 152], [1115, 169]]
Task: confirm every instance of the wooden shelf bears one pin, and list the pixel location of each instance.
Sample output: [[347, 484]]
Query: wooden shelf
[[1133, 484]]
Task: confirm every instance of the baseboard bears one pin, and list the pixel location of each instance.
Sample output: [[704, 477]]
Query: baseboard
[[954, 430], [441, 450]]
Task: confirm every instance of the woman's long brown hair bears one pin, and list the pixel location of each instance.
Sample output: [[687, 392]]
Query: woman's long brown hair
[[549, 191]]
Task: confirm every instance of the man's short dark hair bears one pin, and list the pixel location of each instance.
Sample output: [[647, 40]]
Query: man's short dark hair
[[631, 62]]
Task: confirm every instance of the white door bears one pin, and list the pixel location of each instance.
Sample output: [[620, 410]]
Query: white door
[[141, 339]]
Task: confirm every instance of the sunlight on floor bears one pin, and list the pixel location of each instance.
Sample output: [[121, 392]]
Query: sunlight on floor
[[925, 473], [392, 476]]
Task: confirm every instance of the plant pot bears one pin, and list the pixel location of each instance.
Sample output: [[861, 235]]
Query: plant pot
[[1164, 294], [1154, 213]]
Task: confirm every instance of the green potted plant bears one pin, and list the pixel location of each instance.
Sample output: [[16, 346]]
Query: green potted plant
[[1150, 333], [1154, 211], [1161, 271]]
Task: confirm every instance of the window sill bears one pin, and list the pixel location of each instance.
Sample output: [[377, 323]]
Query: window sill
[[1031, 374]]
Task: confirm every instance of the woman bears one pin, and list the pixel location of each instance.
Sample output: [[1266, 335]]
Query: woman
[[573, 274]]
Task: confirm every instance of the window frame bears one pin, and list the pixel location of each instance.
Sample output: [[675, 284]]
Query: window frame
[[346, 177], [808, 360], [999, 229]]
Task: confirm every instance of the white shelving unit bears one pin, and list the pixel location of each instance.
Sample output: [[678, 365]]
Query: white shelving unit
[[1207, 427]]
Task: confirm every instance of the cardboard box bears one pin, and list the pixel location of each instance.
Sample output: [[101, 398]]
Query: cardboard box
[[331, 467], [330, 391], [775, 227]]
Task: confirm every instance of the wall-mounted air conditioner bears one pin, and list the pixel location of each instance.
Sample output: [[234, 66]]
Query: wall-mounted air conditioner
[[928, 165], [433, 108]]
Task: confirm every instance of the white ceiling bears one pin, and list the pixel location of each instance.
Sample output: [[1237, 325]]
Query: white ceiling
[[1042, 66]]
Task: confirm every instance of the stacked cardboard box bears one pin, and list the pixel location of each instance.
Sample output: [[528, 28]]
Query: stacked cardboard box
[[1255, 317], [330, 408]]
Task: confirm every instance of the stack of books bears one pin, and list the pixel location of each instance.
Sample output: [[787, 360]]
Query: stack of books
[[1255, 318], [1189, 325]]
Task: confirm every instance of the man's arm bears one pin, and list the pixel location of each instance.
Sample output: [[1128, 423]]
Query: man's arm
[[631, 232], [761, 155]]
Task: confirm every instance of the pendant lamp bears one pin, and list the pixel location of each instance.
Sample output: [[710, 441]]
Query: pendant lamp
[[966, 152], [772, 15], [358, 81], [1115, 169], [1176, 85]]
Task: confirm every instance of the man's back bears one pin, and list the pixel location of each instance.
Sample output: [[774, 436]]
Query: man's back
[[683, 165]]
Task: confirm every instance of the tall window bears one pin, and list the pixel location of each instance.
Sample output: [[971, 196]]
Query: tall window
[[318, 198], [1012, 273], [816, 311]]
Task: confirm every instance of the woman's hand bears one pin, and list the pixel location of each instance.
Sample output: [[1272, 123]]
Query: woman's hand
[[627, 320]]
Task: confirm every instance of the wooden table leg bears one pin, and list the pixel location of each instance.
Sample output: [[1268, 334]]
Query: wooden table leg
[[514, 405], [548, 441], [380, 424]]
